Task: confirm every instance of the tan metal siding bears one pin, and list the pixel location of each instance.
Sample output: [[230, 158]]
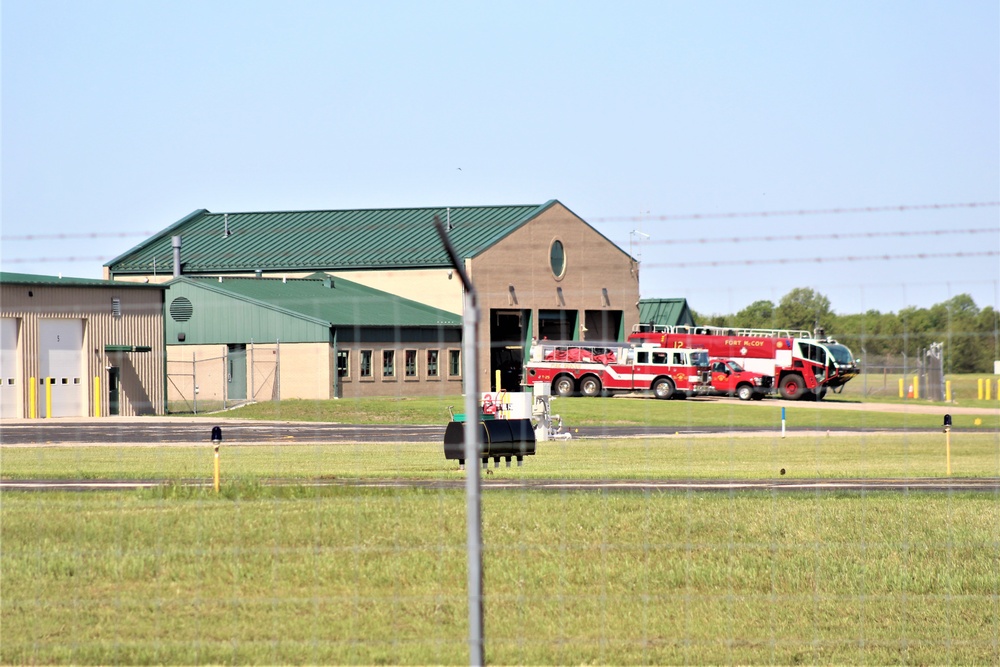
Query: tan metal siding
[[141, 324]]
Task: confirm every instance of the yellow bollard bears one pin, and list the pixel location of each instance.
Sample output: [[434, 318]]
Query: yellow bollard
[[979, 388], [947, 449], [48, 397], [216, 468], [498, 382], [901, 395], [32, 399], [947, 391], [916, 386], [97, 396], [947, 443], [989, 387]]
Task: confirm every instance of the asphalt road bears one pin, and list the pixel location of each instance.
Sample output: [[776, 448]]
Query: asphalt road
[[153, 432]]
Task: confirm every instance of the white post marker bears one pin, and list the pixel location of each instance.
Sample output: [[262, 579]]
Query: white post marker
[[782, 422]]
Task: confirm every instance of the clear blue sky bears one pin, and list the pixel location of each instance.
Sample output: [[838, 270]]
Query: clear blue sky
[[124, 116]]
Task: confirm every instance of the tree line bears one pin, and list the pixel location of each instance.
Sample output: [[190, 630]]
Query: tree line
[[970, 335]]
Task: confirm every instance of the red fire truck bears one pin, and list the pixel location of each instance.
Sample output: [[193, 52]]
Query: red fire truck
[[803, 366], [731, 379], [595, 368]]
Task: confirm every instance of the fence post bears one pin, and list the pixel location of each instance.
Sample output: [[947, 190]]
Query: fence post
[[194, 382]]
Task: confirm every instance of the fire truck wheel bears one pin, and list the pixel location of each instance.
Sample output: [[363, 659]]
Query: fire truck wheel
[[744, 392], [792, 387], [563, 386], [663, 388], [590, 386]]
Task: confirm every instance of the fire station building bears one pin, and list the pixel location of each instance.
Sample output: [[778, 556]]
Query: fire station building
[[540, 271]]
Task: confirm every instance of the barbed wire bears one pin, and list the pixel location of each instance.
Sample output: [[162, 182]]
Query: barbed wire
[[834, 236], [661, 265], [903, 208], [70, 236], [817, 260]]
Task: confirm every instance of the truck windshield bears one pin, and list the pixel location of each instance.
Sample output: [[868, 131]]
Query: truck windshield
[[841, 354], [735, 366], [699, 358]]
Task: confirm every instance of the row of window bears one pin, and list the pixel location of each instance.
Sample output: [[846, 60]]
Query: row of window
[[367, 358]]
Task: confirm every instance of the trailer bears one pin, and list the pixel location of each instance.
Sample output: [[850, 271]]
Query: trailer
[[802, 365], [592, 369]]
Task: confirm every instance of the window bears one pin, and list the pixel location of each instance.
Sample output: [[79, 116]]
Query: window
[[679, 359], [366, 363], [642, 357], [388, 363], [557, 258], [454, 363], [410, 363], [343, 363], [432, 363]]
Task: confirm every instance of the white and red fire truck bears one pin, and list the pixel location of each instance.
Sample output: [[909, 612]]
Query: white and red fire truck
[[803, 366], [591, 369]]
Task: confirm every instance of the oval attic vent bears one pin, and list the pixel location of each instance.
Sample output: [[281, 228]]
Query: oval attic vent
[[181, 309]]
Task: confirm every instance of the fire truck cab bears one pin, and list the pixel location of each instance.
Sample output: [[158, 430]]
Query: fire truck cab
[[592, 369]]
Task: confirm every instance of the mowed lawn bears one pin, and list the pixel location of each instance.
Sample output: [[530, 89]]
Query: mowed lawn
[[300, 574], [304, 575]]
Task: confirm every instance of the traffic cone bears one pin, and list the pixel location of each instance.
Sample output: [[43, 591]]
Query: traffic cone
[[909, 392]]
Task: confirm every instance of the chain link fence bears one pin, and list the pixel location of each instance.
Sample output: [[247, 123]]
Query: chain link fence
[[921, 376], [207, 383]]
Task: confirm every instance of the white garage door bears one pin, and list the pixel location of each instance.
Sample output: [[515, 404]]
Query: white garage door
[[9, 376], [61, 347]]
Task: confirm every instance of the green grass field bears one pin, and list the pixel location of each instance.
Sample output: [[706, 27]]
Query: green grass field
[[305, 574], [361, 576]]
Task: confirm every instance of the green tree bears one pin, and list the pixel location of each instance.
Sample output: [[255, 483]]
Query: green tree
[[758, 315], [803, 308]]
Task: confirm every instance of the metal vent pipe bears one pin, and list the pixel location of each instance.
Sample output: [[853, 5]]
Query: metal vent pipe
[[176, 242]]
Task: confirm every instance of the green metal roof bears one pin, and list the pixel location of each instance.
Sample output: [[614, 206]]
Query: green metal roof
[[59, 281], [323, 240], [330, 301], [670, 312]]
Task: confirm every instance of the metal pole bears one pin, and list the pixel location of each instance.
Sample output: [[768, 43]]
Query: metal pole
[[473, 512]]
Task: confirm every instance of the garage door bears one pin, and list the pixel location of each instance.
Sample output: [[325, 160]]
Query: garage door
[[61, 347], [9, 375]]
